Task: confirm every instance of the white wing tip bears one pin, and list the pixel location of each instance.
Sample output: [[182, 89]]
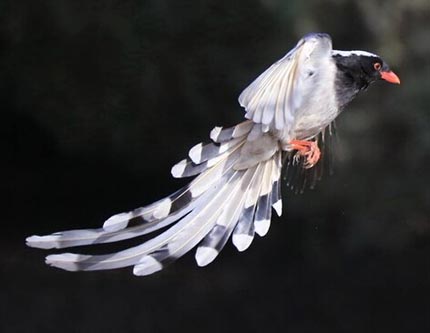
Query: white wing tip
[[262, 227], [277, 206], [66, 261], [117, 222], [195, 153], [178, 169], [43, 242], [205, 255], [147, 266], [242, 241]]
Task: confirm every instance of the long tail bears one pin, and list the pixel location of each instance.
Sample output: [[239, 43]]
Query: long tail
[[221, 201]]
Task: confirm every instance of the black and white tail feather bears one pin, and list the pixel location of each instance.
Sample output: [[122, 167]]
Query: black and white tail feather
[[219, 202], [238, 177]]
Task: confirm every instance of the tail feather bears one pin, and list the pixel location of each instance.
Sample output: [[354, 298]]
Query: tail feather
[[204, 152], [245, 228], [210, 169], [142, 220], [263, 215], [216, 239], [220, 134], [264, 205], [181, 198], [147, 214], [276, 196], [243, 233], [220, 202], [124, 258], [187, 168], [80, 237], [197, 228]]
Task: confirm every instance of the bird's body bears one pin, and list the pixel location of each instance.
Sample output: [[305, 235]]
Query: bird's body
[[294, 97], [238, 173]]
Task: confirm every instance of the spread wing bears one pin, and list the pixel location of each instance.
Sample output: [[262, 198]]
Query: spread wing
[[275, 96]]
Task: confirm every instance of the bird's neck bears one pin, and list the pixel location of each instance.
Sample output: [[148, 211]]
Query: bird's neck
[[348, 84]]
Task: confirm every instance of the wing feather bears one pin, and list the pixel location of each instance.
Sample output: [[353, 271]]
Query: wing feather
[[275, 96]]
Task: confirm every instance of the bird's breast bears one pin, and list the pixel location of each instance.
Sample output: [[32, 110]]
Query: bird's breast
[[311, 123]]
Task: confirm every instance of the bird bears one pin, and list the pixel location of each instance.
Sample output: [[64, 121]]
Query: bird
[[290, 110]]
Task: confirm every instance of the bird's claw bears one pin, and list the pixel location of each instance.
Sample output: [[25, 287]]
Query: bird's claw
[[307, 149]]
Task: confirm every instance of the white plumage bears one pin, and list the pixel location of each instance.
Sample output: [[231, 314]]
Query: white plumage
[[238, 177]]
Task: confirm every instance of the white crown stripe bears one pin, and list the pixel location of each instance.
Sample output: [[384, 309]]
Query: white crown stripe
[[355, 52]]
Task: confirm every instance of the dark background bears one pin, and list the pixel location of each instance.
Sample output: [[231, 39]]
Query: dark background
[[100, 98]]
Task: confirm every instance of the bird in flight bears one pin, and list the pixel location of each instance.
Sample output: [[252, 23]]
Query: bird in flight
[[289, 109]]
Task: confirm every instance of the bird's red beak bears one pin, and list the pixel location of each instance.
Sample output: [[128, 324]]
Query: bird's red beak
[[389, 76]]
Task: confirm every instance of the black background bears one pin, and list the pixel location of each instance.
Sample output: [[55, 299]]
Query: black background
[[100, 98]]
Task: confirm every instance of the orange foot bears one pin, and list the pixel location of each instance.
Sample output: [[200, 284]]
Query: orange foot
[[308, 149]]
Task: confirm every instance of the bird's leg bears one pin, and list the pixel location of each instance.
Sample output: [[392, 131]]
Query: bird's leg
[[308, 149]]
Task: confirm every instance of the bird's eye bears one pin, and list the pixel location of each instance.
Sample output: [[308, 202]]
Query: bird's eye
[[377, 66]]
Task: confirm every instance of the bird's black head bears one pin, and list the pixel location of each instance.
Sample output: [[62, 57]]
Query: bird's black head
[[357, 70]]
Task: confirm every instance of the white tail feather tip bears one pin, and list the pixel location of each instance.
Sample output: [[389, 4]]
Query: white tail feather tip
[[196, 153], [178, 169], [242, 241], [43, 242], [205, 255], [262, 227], [215, 133], [163, 209], [147, 265], [277, 206], [117, 222], [66, 261]]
